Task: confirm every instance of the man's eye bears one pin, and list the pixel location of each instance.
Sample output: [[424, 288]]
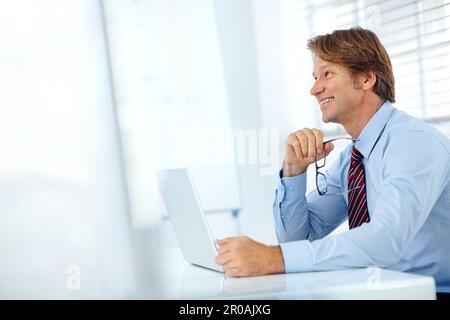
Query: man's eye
[[327, 73]]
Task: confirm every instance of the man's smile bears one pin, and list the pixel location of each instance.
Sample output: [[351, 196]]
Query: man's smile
[[324, 101]]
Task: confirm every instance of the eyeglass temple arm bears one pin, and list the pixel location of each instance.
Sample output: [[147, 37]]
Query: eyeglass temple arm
[[331, 140]]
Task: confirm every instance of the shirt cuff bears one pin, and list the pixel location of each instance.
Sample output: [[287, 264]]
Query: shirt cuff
[[293, 186], [298, 256]]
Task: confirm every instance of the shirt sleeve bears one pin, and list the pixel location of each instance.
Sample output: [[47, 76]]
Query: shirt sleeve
[[412, 182], [298, 217]]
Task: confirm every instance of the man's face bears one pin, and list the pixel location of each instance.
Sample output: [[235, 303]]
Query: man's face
[[335, 91]]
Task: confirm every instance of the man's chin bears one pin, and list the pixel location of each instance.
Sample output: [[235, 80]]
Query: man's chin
[[326, 119]]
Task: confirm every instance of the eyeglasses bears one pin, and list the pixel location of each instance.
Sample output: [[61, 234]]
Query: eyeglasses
[[321, 179]]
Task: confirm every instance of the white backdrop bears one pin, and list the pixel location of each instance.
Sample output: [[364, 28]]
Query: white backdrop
[[63, 217]]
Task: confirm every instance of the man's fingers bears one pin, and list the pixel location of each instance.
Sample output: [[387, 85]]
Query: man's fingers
[[328, 147], [311, 142], [230, 269], [303, 140], [223, 249], [295, 145], [232, 272], [319, 140], [222, 259], [224, 241]]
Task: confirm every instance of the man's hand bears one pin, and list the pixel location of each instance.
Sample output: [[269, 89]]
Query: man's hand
[[302, 149], [242, 256]]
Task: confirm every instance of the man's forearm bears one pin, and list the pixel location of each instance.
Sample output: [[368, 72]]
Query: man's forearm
[[291, 210]]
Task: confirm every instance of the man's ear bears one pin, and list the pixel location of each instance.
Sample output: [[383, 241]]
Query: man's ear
[[368, 80]]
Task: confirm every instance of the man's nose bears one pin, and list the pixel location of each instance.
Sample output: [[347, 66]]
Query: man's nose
[[317, 88]]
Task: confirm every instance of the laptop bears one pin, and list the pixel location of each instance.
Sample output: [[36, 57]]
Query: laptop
[[187, 216]]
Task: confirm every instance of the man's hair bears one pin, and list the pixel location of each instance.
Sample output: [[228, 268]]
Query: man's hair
[[360, 51]]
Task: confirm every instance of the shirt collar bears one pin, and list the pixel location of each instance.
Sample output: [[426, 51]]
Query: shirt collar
[[373, 129]]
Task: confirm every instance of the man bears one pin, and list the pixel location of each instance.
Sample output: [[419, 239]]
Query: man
[[392, 183]]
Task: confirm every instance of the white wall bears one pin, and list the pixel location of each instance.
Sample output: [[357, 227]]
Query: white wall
[[240, 57], [62, 205]]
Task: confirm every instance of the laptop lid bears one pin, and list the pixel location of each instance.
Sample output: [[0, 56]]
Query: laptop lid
[[186, 214]]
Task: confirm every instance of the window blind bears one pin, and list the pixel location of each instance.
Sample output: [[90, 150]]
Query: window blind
[[416, 35]]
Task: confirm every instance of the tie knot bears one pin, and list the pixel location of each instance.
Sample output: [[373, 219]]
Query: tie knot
[[356, 155]]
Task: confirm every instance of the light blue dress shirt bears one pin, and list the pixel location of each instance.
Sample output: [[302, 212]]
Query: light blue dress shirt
[[407, 167]]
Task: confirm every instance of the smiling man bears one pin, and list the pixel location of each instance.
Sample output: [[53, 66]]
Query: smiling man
[[392, 182]]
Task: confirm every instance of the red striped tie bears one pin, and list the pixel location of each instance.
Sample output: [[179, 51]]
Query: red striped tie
[[358, 212]]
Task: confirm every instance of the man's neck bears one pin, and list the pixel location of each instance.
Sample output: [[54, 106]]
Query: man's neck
[[362, 116]]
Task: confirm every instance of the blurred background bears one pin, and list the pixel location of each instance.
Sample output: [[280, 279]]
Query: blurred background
[[95, 96]]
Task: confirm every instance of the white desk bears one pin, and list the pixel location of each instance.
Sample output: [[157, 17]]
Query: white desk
[[181, 280]]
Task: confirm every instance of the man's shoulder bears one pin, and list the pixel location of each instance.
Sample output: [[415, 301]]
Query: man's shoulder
[[404, 125]]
